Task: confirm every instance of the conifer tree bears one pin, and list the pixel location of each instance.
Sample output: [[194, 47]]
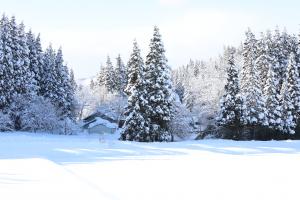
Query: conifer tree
[[48, 86], [290, 97], [280, 65], [231, 102], [72, 80], [100, 80], [22, 77], [135, 68], [189, 97], [120, 75], [254, 111], [273, 102], [136, 126], [159, 90], [109, 80], [64, 90], [35, 61], [6, 64]]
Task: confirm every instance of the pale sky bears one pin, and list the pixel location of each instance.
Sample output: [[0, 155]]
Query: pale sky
[[89, 30]]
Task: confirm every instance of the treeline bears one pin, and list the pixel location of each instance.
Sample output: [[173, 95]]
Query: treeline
[[263, 100], [37, 89]]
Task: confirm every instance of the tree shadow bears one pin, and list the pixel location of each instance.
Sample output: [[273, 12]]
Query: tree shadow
[[65, 150]]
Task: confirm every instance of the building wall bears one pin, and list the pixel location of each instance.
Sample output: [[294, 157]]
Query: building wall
[[100, 129]]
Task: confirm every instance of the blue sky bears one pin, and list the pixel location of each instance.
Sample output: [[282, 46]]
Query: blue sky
[[89, 30]]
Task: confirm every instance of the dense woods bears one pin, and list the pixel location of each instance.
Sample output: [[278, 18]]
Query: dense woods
[[33, 80]]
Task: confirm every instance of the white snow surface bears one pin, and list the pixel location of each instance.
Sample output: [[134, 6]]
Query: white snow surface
[[43, 166]]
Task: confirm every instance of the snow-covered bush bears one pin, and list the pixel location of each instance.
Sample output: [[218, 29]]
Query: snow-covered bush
[[39, 115], [36, 114], [181, 126]]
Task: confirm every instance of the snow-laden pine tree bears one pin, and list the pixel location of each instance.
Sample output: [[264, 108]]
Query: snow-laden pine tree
[[291, 97], [159, 90], [135, 68], [231, 102], [48, 85], [72, 80], [254, 112], [23, 79], [264, 59], [136, 126], [34, 59], [189, 98], [35, 56], [6, 64], [250, 56], [273, 102], [40, 55], [65, 92], [280, 65], [100, 80], [109, 78], [120, 75]]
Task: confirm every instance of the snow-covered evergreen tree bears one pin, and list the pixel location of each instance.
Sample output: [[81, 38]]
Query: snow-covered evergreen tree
[[136, 126], [159, 90], [120, 75], [250, 56], [72, 80], [23, 79], [48, 86], [65, 92], [6, 64], [264, 60], [135, 68], [109, 79], [189, 98], [231, 102], [291, 97], [35, 56], [100, 78], [273, 102], [280, 59], [254, 111]]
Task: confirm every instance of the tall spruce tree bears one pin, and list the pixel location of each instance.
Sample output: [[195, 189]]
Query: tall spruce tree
[[159, 90], [72, 80], [109, 79], [254, 111], [291, 97], [48, 86], [6, 64], [65, 92], [34, 60], [22, 77], [136, 126], [273, 102], [120, 75], [100, 80], [231, 102]]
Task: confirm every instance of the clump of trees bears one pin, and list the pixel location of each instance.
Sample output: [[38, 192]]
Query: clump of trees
[[150, 98], [262, 101], [37, 88]]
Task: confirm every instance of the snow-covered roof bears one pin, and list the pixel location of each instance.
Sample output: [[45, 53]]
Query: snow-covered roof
[[100, 121]]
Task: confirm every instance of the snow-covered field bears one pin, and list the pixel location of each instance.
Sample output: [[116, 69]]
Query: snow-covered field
[[35, 167]]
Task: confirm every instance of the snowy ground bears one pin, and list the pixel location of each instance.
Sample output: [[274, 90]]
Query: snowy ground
[[52, 167]]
